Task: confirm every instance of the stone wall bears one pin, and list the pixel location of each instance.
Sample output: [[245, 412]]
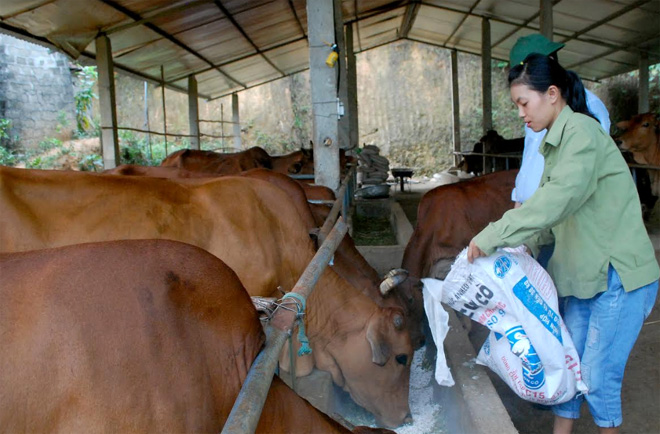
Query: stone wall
[[36, 92]]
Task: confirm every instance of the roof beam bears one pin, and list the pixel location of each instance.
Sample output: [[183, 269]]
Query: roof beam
[[159, 13], [237, 59], [295, 14], [88, 58], [527, 26], [246, 36], [28, 9], [607, 19], [409, 18], [169, 38], [613, 50], [523, 25], [465, 17]]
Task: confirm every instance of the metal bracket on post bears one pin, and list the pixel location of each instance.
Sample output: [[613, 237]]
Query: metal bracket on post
[[340, 109]]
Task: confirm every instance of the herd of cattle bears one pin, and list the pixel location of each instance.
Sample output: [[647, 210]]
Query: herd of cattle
[[126, 293]]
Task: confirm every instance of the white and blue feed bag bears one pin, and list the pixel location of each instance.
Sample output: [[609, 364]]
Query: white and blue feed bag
[[528, 346]]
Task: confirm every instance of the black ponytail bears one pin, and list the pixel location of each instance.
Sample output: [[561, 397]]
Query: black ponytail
[[539, 72]]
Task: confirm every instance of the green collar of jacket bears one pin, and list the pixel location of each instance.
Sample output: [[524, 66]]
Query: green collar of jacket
[[556, 132]]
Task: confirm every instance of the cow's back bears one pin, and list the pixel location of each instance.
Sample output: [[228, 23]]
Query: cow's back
[[148, 336], [217, 163], [248, 223], [449, 216]]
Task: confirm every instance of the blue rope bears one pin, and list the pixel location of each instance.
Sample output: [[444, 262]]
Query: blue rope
[[302, 337]]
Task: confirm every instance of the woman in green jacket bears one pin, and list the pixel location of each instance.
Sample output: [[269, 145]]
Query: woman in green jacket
[[604, 264]]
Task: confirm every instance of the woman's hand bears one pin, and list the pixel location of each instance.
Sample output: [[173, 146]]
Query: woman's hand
[[474, 252]]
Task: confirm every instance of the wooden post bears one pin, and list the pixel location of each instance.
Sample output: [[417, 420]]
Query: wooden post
[[222, 126], [323, 78], [545, 18], [162, 88], [107, 103], [343, 125], [193, 113], [352, 113], [486, 85], [147, 126], [236, 120], [643, 103], [456, 107]]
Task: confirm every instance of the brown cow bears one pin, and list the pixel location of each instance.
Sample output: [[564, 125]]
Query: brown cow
[[348, 262], [641, 137], [297, 162], [249, 224], [214, 162], [448, 217], [131, 336]]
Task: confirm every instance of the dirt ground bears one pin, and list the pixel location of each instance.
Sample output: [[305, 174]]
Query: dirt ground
[[641, 383]]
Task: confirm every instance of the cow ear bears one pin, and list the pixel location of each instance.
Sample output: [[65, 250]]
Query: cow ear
[[380, 349], [623, 125]]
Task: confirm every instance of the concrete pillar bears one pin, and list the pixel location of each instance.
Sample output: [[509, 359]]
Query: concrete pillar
[[545, 17], [344, 122], [236, 121], [193, 113], [351, 61], [486, 85], [456, 106], [643, 101], [323, 79], [107, 103]]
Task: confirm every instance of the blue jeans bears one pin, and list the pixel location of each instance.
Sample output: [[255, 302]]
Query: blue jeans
[[604, 329]]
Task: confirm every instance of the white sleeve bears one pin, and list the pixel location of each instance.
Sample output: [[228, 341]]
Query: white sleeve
[[598, 109]]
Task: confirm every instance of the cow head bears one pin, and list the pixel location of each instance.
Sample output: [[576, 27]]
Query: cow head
[[640, 134], [300, 162], [372, 363]]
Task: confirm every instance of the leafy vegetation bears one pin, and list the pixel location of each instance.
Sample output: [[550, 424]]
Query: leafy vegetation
[[84, 97]]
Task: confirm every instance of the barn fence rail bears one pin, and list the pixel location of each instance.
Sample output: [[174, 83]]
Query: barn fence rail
[[247, 408], [506, 156]]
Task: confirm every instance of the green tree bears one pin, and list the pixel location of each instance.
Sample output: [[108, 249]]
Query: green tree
[[87, 77]]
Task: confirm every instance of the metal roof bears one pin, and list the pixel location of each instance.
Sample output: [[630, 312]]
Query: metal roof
[[231, 45]]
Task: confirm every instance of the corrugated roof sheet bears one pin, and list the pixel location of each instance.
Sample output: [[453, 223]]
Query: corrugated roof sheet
[[230, 45]]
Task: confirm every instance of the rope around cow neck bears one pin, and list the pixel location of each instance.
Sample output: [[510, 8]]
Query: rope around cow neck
[[302, 337]]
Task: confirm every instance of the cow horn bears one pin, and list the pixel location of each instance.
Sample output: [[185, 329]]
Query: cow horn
[[392, 279]]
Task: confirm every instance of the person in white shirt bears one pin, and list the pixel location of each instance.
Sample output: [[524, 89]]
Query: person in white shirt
[[531, 169]]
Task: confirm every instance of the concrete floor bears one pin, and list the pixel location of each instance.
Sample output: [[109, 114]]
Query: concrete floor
[[641, 384]]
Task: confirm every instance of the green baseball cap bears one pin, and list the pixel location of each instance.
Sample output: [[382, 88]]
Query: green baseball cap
[[534, 43]]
